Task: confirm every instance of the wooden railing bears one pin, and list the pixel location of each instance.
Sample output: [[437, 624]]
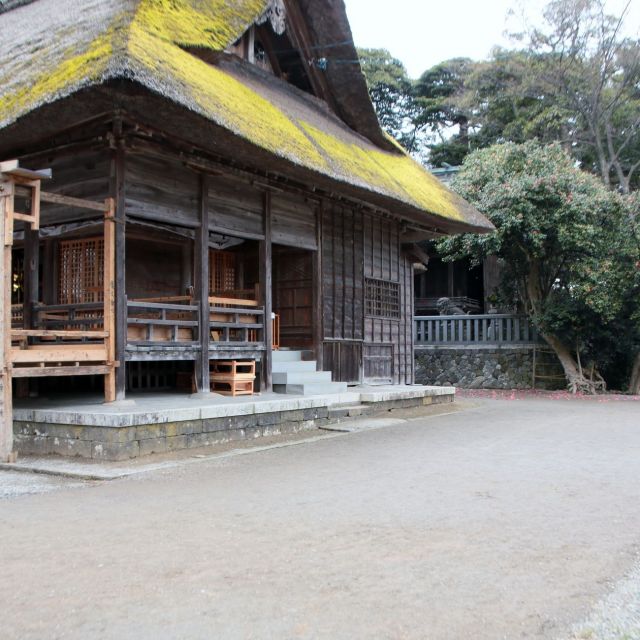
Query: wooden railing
[[150, 322], [17, 316], [235, 321], [474, 330], [71, 317]]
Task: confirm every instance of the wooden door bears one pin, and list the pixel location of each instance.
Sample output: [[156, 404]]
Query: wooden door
[[293, 296]]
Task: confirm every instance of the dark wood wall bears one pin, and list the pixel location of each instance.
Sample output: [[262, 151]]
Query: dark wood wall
[[354, 245], [359, 346]]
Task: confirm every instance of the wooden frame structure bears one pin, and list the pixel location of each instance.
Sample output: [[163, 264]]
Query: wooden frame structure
[[29, 352]]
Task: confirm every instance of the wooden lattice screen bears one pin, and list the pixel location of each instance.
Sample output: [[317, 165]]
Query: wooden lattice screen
[[222, 271], [81, 271], [382, 298]]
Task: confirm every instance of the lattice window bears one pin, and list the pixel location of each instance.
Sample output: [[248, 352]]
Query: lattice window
[[81, 271], [382, 298], [222, 271]]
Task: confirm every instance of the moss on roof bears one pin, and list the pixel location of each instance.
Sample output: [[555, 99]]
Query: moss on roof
[[214, 24], [145, 45]]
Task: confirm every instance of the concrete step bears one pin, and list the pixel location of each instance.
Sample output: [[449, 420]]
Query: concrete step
[[291, 366], [311, 388], [285, 355], [300, 377], [350, 410]]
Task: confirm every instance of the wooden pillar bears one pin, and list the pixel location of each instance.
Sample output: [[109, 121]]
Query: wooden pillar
[[266, 292], [201, 254], [6, 408], [118, 193], [31, 273], [318, 331], [110, 380]]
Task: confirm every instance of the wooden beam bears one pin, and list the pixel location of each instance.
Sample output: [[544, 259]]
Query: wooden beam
[[201, 268], [63, 333], [79, 203], [6, 406], [266, 290], [45, 372]]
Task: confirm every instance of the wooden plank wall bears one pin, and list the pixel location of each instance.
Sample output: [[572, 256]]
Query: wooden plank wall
[[384, 260], [355, 246], [161, 190], [82, 175], [235, 208], [294, 221]]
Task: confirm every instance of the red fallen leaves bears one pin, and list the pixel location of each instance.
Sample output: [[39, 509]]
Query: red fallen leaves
[[529, 394]]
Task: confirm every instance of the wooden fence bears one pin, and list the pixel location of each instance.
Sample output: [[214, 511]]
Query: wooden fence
[[487, 329]]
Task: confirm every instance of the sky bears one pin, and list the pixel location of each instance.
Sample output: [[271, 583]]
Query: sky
[[424, 32]]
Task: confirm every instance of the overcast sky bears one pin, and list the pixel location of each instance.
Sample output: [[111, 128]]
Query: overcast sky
[[424, 32]]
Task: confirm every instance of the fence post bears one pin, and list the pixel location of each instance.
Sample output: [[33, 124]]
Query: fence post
[[6, 408]]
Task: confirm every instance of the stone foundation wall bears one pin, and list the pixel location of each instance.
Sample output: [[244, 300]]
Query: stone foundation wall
[[122, 443], [484, 368]]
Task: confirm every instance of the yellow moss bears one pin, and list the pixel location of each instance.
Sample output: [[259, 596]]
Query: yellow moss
[[213, 24], [395, 175], [146, 42], [75, 70], [224, 99]]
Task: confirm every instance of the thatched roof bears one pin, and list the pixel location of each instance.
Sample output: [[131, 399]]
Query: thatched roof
[[61, 48]]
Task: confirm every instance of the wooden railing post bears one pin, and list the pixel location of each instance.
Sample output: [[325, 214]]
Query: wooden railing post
[[6, 408], [110, 298]]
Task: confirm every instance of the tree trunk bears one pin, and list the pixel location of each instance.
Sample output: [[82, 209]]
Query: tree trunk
[[577, 382], [634, 385]]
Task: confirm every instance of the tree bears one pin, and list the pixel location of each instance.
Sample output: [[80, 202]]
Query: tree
[[437, 94], [560, 234], [391, 92], [582, 56]]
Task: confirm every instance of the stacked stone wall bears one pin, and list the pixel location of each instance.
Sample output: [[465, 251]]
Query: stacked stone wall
[[486, 368]]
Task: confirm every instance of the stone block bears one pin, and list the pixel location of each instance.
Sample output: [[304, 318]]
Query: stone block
[[152, 445], [176, 443], [254, 432], [32, 445], [109, 434], [269, 419], [243, 422], [315, 413], [151, 431], [188, 427], [293, 416], [115, 451], [211, 425], [70, 447]]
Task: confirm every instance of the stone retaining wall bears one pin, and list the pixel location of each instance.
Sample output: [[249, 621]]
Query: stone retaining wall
[[484, 368], [125, 442]]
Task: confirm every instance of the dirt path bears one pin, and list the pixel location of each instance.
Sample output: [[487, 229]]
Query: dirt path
[[509, 520]]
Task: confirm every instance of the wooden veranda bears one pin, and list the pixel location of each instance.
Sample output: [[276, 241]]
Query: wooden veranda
[[61, 350]]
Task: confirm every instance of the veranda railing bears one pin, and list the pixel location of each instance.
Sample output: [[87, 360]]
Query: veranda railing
[[474, 330]]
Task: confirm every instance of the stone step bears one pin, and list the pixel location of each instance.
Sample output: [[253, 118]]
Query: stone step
[[350, 410], [285, 355], [311, 388], [300, 377], [291, 366]]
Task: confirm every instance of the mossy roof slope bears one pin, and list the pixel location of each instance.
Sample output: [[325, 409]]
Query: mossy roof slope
[[61, 46]]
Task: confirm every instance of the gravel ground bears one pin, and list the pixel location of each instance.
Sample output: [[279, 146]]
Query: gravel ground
[[13, 485], [616, 617], [511, 520]]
